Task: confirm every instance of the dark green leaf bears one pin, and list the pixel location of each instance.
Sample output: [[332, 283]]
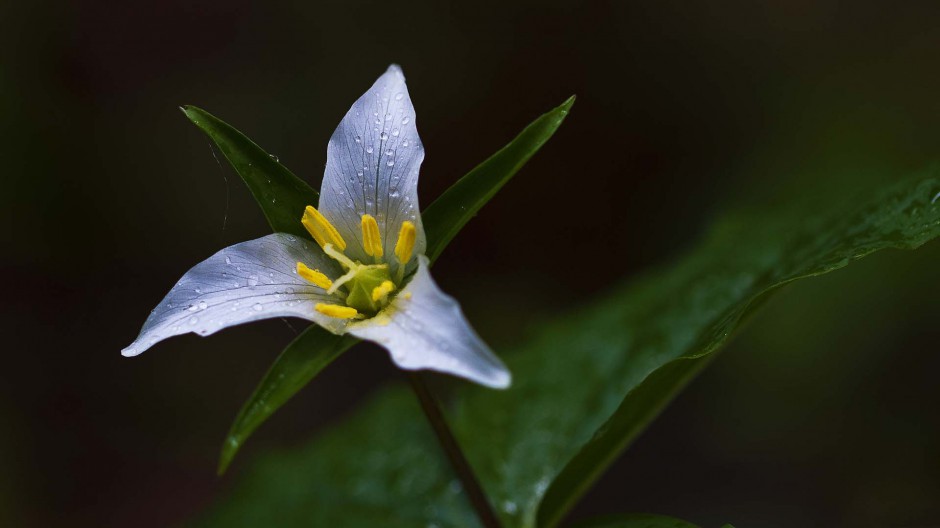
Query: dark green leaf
[[582, 389], [267, 179], [444, 218], [281, 195], [300, 362]]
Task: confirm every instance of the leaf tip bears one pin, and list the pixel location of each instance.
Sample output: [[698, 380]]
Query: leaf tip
[[229, 448]]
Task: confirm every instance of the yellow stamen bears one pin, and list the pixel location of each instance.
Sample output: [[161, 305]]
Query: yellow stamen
[[406, 242], [321, 229], [380, 292], [338, 256], [334, 310], [370, 236], [314, 276]]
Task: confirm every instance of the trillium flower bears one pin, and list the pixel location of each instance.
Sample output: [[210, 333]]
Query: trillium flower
[[365, 274]]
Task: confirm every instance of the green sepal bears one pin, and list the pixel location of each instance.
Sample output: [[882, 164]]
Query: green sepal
[[281, 195]]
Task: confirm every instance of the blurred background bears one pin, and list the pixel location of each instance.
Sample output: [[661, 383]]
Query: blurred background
[[821, 413]]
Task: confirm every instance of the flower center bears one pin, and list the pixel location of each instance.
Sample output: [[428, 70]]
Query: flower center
[[365, 289]]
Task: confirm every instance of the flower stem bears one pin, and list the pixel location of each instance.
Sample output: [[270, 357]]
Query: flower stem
[[457, 459]]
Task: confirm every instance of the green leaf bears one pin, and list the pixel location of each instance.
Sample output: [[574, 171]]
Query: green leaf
[[281, 195], [582, 389], [634, 520], [444, 218], [300, 362], [267, 179]]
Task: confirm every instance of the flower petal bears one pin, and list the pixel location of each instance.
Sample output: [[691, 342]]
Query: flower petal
[[246, 282], [424, 328], [372, 167]]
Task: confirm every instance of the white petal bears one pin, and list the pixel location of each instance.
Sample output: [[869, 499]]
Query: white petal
[[372, 167], [246, 282], [424, 328]]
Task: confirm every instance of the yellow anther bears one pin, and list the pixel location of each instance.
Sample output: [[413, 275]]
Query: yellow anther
[[380, 292], [406, 242], [321, 229], [370, 236], [337, 311], [314, 276]]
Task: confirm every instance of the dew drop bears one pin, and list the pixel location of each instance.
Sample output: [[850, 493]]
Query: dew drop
[[192, 308], [395, 132], [389, 152], [404, 143], [203, 305], [252, 281], [405, 120], [275, 158], [358, 139], [257, 307], [193, 320], [369, 150], [399, 96], [228, 260], [391, 163], [383, 136]]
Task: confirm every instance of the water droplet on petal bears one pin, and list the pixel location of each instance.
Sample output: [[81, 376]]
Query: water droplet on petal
[[275, 158], [391, 163], [369, 150], [399, 96], [203, 305], [383, 136], [257, 307], [358, 139], [193, 320], [228, 260], [192, 308], [252, 281], [405, 120], [395, 132]]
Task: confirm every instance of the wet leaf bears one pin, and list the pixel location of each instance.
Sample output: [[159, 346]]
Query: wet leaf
[[582, 390]]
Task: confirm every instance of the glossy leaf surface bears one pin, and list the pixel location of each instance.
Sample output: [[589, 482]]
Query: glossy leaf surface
[[583, 389]]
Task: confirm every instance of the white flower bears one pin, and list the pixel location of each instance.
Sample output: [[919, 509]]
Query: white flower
[[365, 275]]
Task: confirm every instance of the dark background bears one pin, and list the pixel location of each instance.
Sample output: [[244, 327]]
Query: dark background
[[822, 413]]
